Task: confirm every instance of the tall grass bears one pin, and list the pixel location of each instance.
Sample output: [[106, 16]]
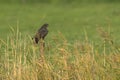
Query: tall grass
[[20, 59]]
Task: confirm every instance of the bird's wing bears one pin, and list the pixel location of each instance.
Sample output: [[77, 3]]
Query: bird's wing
[[43, 32]]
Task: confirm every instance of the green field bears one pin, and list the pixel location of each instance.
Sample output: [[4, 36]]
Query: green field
[[83, 41], [71, 20]]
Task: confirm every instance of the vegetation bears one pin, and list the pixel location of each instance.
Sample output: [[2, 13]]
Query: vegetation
[[82, 43], [71, 20], [22, 60], [55, 1]]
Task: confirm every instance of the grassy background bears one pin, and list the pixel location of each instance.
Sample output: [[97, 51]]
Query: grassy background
[[74, 47], [71, 20], [56, 1]]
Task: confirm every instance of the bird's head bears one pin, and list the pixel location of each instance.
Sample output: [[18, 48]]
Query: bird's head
[[45, 25]]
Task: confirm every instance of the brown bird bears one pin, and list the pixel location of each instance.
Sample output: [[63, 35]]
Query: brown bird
[[41, 33]]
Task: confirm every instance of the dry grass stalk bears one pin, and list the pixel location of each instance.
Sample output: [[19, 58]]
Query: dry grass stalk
[[23, 62]]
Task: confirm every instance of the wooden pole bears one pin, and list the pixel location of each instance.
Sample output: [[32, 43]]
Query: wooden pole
[[42, 45]]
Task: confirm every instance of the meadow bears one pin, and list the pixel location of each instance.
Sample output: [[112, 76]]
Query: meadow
[[82, 44]]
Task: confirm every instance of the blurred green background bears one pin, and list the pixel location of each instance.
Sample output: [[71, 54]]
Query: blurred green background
[[55, 1], [70, 17]]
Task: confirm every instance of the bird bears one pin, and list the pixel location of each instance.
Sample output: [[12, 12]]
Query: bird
[[41, 33]]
